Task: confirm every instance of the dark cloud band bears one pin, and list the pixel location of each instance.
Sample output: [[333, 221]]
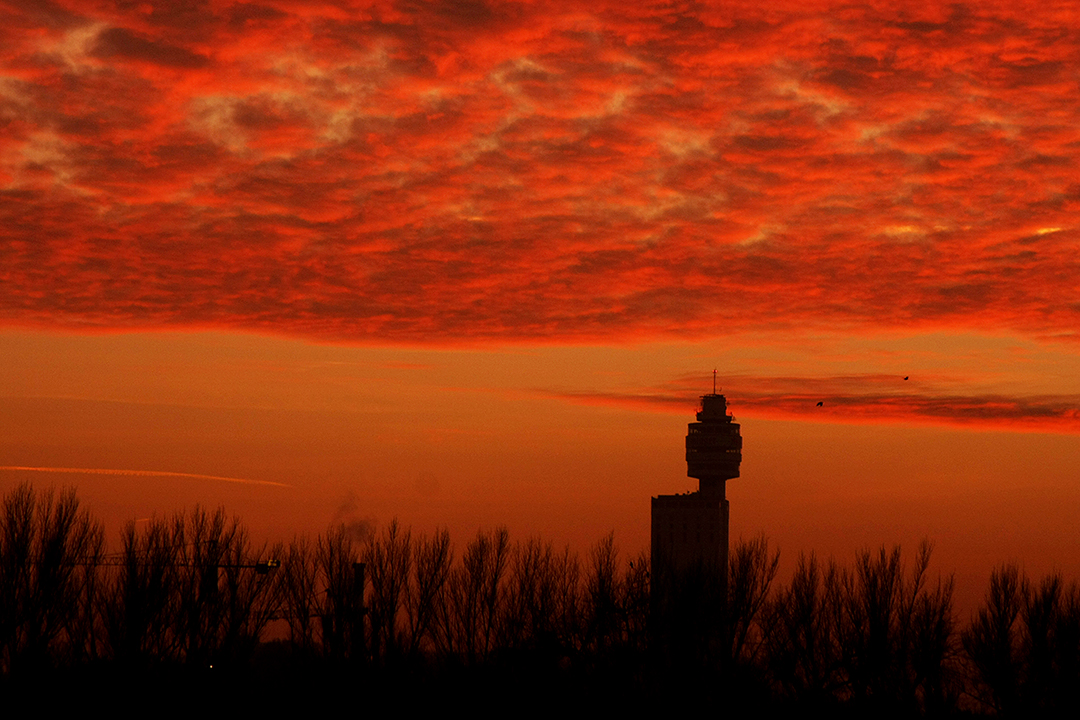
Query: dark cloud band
[[856, 399]]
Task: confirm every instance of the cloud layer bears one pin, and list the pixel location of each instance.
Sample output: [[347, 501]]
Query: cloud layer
[[471, 171], [856, 399]]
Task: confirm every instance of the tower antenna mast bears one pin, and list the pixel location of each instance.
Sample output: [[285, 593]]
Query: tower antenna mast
[[714, 381]]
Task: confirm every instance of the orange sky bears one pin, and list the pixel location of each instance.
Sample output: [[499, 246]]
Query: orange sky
[[469, 263]]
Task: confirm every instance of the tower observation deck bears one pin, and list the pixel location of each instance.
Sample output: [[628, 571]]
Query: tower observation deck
[[713, 446]]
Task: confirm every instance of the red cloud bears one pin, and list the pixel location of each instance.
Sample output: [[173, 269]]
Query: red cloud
[[440, 172]]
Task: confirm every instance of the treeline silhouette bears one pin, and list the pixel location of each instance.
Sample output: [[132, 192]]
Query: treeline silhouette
[[190, 599]]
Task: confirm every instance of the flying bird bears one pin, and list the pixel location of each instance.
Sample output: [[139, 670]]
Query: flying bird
[[820, 403], [905, 377]]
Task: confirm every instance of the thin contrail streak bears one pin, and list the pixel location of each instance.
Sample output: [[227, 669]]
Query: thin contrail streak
[[141, 473]]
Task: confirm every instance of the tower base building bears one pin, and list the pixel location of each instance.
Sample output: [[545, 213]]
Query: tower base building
[[688, 531]]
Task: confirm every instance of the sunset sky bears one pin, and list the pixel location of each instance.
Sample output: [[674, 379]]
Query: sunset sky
[[470, 263]]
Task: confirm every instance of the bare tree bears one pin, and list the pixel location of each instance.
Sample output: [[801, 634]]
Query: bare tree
[[635, 603], [1024, 646], [566, 571], [935, 667], [432, 559], [470, 616], [543, 607], [250, 598], [751, 571], [203, 543], [1065, 693], [389, 560], [187, 591], [896, 634], [342, 600], [602, 591], [529, 613], [142, 601], [299, 597], [803, 649], [49, 551], [991, 641]]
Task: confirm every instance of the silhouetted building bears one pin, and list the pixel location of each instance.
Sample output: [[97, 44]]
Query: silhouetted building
[[691, 530]]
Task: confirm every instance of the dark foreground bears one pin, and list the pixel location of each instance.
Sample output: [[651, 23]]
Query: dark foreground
[[177, 621]]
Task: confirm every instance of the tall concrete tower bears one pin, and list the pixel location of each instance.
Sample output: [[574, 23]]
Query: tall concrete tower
[[691, 529]]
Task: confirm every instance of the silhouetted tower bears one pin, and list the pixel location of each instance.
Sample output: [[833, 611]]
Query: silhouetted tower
[[691, 529]]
